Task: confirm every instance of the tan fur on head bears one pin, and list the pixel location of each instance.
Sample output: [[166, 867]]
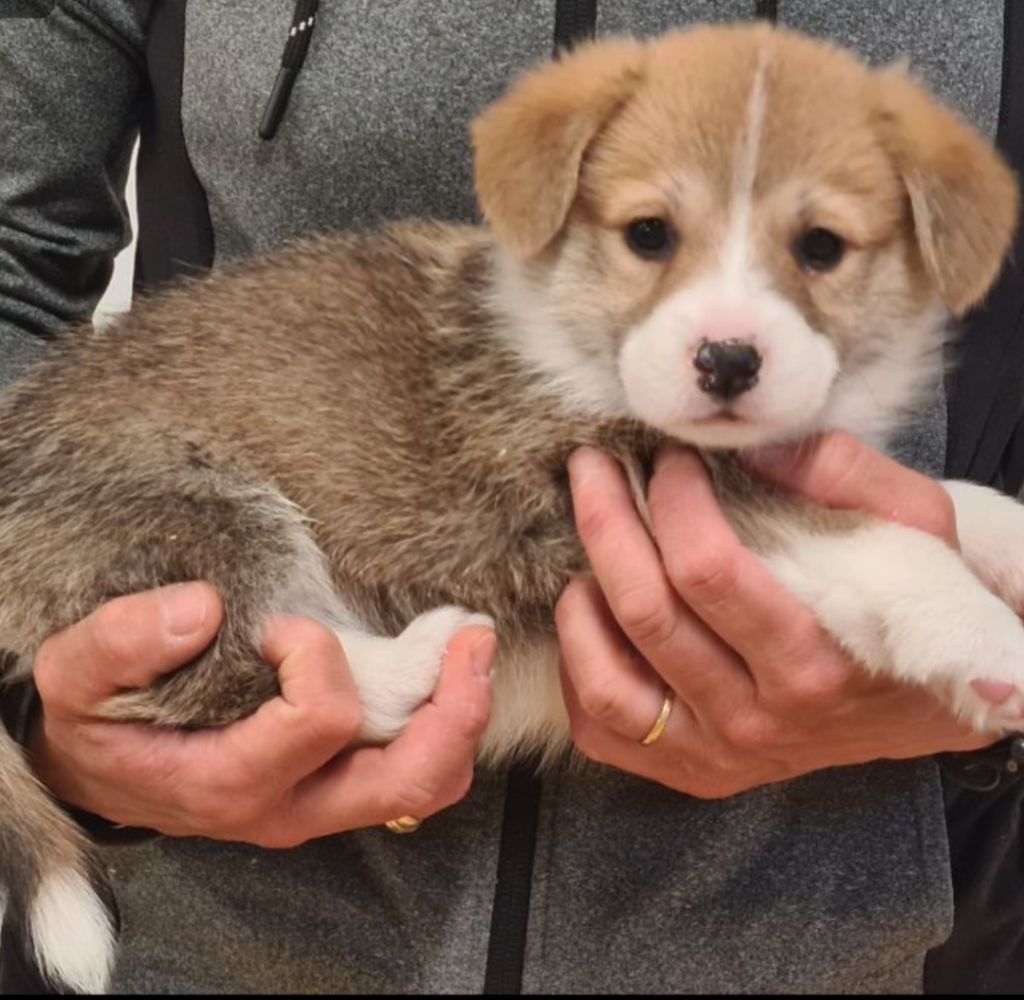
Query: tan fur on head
[[963, 196], [529, 145]]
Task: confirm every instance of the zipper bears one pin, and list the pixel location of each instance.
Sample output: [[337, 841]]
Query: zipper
[[506, 948], [294, 55]]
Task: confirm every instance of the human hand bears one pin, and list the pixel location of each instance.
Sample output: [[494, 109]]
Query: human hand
[[276, 779], [762, 693]]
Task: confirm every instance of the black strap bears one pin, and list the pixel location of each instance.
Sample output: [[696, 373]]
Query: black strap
[[767, 9], [175, 232], [506, 949], [575, 21], [986, 391]]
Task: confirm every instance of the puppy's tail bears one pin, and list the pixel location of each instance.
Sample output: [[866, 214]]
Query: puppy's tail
[[59, 918]]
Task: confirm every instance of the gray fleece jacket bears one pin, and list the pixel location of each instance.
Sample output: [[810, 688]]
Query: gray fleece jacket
[[836, 882]]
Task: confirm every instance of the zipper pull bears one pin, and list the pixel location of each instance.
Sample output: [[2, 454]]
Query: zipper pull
[[294, 56]]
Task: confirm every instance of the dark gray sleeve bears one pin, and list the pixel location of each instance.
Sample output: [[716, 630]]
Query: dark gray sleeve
[[72, 75]]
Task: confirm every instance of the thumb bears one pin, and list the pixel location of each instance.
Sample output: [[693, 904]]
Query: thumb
[[127, 643]]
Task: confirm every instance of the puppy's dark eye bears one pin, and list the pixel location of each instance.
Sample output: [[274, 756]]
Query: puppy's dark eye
[[651, 238], [820, 249]]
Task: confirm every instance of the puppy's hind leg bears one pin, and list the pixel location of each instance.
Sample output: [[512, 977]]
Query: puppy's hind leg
[[140, 531], [270, 564]]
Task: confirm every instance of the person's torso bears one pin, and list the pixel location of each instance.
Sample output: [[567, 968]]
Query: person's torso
[[837, 882]]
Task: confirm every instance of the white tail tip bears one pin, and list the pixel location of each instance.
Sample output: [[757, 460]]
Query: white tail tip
[[72, 933]]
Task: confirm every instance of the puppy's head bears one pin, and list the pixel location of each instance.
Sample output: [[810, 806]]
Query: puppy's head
[[737, 234]]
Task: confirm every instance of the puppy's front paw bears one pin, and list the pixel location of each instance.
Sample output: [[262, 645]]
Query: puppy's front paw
[[976, 654], [396, 676], [904, 604], [990, 527]]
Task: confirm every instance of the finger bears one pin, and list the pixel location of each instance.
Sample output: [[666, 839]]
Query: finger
[[426, 769], [628, 567], [726, 585], [314, 718], [607, 685], [205, 775], [126, 643], [604, 679], [625, 752], [836, 470]]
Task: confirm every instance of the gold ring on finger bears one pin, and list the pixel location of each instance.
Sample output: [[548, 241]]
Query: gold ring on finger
[[661, 721], [404, 824]]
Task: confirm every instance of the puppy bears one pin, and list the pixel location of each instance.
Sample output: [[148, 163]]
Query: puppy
[[728, 237]]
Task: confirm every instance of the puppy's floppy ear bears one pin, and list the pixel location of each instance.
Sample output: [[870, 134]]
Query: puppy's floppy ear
[[963, 197], [529, 143]]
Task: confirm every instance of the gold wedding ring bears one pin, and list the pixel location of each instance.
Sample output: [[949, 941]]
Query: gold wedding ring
[[404, 824], [661, 721]]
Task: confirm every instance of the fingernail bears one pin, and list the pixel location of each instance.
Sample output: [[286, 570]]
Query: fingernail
[[184, 607], [481, 656]]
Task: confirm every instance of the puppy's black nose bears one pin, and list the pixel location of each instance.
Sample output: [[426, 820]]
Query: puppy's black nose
[[727, 367]]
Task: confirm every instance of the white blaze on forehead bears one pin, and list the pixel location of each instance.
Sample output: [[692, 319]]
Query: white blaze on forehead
[[736, 258], [733, 300]]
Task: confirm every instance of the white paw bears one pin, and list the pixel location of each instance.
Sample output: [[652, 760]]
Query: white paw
[[972, 657], [990, 527], [904, 604], [396, 676]]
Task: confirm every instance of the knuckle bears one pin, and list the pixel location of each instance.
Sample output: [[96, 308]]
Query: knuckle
[[752, 732], [114, 630], [818, 687], [599, 702], [644, 615], [705, 576]]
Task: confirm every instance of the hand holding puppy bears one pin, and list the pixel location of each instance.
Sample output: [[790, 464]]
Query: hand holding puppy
[[762, 692], [276, 779]]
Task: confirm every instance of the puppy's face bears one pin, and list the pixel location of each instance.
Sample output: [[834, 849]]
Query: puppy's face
[[738, 235]]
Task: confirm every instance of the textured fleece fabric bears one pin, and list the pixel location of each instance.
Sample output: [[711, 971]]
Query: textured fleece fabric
[[836, 882]]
